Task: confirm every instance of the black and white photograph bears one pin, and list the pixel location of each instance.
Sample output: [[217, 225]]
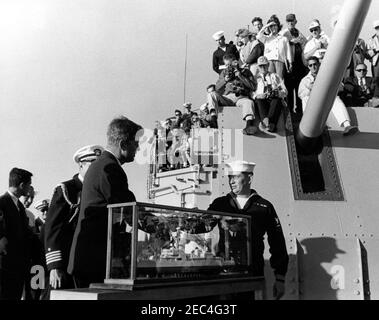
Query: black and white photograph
[[173, 152]]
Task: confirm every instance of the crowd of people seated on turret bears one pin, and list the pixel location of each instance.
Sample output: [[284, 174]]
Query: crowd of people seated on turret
[[262, 71], [266, 69]]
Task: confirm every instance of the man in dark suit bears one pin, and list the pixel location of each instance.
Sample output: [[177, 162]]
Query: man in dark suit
[[358, 90], [62, 217], [15, 236], [105, 183]]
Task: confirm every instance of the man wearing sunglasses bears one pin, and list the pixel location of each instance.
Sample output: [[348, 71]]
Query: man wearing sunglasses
[[318, 42], [62, 217], [358, 90], [339, 109]]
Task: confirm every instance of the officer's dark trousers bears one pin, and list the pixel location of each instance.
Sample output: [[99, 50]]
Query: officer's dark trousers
[[11, 285]]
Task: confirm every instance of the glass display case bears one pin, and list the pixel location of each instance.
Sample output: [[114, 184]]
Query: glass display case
[[151, 244]]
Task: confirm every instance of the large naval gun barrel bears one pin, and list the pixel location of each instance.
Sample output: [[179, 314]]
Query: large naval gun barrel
[[332, 70]]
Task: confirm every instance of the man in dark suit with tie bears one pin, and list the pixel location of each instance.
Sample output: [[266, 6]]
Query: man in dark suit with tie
[[105, 183], [358, 90], [15, 236]]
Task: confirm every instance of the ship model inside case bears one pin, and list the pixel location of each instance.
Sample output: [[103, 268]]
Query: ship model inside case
[[158, 244]]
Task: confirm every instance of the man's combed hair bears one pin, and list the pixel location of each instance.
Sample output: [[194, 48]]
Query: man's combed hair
[[122, 129], [313, 58], [18, 176], [211, 86], [259, 19]]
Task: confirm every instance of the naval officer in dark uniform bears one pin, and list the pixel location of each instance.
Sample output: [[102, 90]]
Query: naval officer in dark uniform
[[62, 217], [243, 200], [105, 183]]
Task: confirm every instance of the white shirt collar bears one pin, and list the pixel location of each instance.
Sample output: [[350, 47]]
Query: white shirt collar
[[14, 198], [362, 80], [234, 196], [310, 75], [114, 156], [80, 177]]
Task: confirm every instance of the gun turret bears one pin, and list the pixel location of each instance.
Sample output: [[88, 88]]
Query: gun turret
[[329, 78]]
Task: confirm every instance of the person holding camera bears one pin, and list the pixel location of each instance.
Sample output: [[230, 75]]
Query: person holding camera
[[234, 88], [269, 95]]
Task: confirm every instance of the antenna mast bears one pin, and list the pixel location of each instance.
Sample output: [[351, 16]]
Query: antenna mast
[[185, 69]]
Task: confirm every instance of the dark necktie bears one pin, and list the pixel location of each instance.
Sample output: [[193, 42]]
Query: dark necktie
[[20, 207]]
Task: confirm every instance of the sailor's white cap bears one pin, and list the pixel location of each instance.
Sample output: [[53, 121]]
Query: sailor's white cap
[[39, 205], [88, 153], [203, 106], [238, 166], [187, 105], [218, 35], [314, 24], [376, 24]]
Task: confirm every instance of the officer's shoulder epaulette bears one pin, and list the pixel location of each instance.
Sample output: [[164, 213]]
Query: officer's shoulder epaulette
[[57, 188], [63, 187], [68, 183]]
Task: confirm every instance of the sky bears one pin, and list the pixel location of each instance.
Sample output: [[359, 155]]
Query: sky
[[68, 67]]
